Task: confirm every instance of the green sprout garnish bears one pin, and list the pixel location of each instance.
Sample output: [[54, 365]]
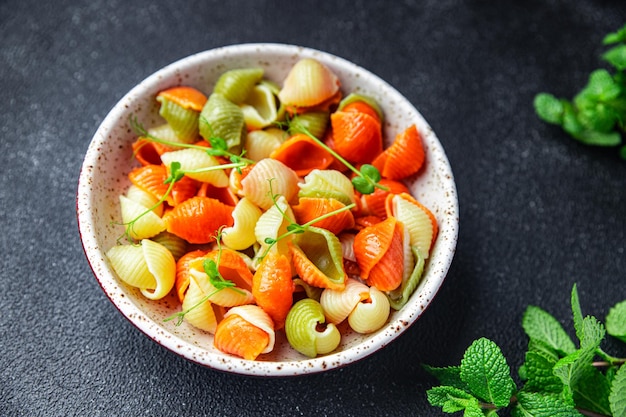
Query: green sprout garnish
[[211, 269], [367, 178]]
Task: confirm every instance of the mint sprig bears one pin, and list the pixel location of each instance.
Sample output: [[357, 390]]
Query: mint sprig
[[559, 377], [596, 116]]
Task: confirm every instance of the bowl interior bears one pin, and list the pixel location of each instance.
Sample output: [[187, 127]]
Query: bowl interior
[[109, 159]]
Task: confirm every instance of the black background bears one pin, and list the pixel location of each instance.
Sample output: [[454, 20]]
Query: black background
[[538, 211]]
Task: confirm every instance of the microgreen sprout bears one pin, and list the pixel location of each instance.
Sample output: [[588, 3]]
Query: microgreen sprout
[[211, 269], [367, 178]]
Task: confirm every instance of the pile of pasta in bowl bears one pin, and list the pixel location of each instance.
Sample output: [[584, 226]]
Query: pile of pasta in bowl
[[274, 214]]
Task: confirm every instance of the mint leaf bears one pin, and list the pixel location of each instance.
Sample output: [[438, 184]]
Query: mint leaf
[[616, 321], [530, 404], [450, 375], [485, 371], [615, 37], [592, 333], [577, 312], [548, 108], [542, 326], [617, 398], [451, 399], [538, 374], [616, 56]]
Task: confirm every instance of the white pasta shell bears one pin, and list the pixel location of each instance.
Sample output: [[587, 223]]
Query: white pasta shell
[[256, 316], [191, 159], [145, 223], [261, 143], [416, 221], [370, 316], [272, 224], [347, 246], [241, 235], [225, 297], [130, 266], [338, 305], [201, 315], [144, 198], [328, 183], [165, 132], [162, 266], [256, 185], [308, 83]]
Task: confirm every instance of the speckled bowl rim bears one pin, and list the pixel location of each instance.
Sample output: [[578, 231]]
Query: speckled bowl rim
[[442, 253]]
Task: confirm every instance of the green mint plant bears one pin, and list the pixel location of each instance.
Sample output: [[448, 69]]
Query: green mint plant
[[597, 114], [559, 377]]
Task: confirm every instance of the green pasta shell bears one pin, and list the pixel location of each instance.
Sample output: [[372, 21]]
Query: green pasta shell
[[236, 84], [221, 118], [301, 328], [316, 122], [399, 297], [184, 122]]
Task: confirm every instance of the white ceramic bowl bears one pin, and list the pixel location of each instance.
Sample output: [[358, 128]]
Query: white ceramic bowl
[[104, 176]]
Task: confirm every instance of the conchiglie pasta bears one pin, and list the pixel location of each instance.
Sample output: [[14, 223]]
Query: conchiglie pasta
[[142, 222], [242, 340], [148, 266], [225, 297], [273, 224], [197, 164], [261, 143], [308, 83], [371, 314], [199, 309], [327, 183], [269, 177], [338, 304], [236, 85], [302, 327], [221, 118], [145, 199], [260, 107], [241, 235]]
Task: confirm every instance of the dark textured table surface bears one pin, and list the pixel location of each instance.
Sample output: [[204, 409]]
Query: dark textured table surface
[[538, 211]]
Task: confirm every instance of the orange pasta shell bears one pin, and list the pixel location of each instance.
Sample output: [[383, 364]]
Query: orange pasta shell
[[361, 107], [311, 208], [357, 136], [387, 274], [374, 203], [151, 178], [404, 157], [371, 243], [302, 154], [273, 287], [183, 267], [198, 219], [148, 152], [238, 337], [310, 273], [232, 267]]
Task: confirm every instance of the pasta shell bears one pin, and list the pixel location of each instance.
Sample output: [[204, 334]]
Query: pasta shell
[[180, 107], [185, 96], [370, 315], [173, 243], [302, 154], [371, 243], [419, 221], [338, 305], [236, 85], [375, 203], [356, 136], [260, 108], [261, 143], [388, 272], [142, 222], [315, 122], [272, 287], [149, 152], [232, 267], [317, 258], [273, 224], [201, 314], [198, 219], [404, 157], [361, 103], [145, 199], [308, 209], [256, 184], [327, 184], [221, 118], [241, 235], [151, 178], [245, 331], [306, 331], [183, 271], [224, 194], [166, 133], [308, 83], [193, 161], [224, 297], [400, 296]]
